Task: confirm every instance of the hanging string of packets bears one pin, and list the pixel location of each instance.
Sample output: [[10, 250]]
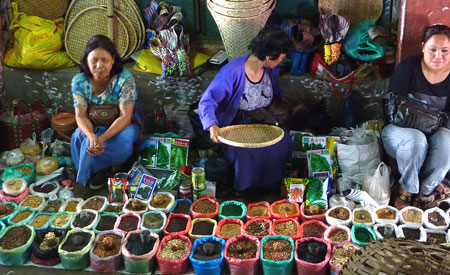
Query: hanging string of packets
[[334, 28], [166, 38]]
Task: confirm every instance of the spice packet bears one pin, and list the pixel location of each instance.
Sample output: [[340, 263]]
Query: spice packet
[[117, 190], [319, 163], [146, 187], [295, 188], [135, 175], [316, 193]]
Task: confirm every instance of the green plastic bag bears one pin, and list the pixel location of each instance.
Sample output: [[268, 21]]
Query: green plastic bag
[[44, 226], [66, 225], [362, 234], [13, 172], [155, 212], [100, 217], [19, 255], [316, 192], [5, 218], [223, 214], [77, 260], [19, 210], [281, 267], [358, 43]]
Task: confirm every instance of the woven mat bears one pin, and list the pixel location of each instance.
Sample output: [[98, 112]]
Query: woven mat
[[251, 135]]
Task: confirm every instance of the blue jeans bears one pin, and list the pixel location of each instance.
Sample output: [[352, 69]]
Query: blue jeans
[[117, 150], [422, 162]]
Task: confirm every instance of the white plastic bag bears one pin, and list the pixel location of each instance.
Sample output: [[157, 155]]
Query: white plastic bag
[[14, 157], [378, 183], [339, 200]]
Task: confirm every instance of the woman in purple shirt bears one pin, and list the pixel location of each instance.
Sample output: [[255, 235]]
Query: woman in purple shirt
[[243, 86]]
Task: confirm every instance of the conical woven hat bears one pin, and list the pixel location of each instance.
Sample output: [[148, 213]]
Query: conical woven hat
[[237, 33]]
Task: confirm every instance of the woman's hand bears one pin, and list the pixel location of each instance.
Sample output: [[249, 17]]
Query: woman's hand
[[214, 132], [96, 145]]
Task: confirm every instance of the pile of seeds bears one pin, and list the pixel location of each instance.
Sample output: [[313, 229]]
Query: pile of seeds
[[94, 204], [229, 230], [76, 241], [177, 224], [258, 228], [313, 230], [52, 206], [231, 210], [160, 201], [40, 220], [61, 220], [242, 249], [129, 223], [342, 255], [21, 216], [114, 208], [285, 208], [153, 221], [362, 216], [259, 211], [312, 251], [71, 206], [106, 223], [182, 207], [339, 213], [277, 250], [436, 219], [32, 201], [286, 228], [339, 235], [205, 206], [83, 219], [140, 243], [202, 228], [15, 237], [436, 238], [5, 209], [107, 245], [412, 216], [386, 213], [174, 249]]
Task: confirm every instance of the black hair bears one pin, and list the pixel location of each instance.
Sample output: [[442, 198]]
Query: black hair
[[270, 41], [103, 42], [429, 31]]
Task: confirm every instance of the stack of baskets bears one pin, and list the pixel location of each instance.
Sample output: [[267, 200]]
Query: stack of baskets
[[357, 10], [87, 18], [239, 22]]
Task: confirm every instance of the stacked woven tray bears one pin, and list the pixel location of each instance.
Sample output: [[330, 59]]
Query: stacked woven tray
[[239, 22], [357, 10], [86, 18]]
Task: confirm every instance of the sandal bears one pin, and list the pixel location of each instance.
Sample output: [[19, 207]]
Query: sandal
[[425, 202], [401, 201]]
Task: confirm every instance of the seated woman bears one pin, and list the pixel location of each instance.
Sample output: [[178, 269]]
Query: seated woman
[[102, 81], [423, 161], [243, 86]]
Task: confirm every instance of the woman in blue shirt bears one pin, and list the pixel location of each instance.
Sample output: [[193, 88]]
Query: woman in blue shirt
[[102, 81]]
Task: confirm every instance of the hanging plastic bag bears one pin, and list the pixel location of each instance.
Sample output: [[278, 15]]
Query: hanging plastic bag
[[378, 184], [358, 43]]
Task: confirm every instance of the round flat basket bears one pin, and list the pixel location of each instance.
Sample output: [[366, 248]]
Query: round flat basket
[[356, 10], [240, 12], [251, 135], [47, 9], [88, 23]]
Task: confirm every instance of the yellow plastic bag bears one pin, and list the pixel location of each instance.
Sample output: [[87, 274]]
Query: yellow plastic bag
[[38, 43], [147, 62]]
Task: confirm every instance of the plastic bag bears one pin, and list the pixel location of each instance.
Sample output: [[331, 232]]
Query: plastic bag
[[14, 187], [429, 221], [411, 209], [332, 229], [236, 204], [30, 146], [17, 200], [156, 212], [46, 165], [19, 255], [243, 266], [179, 266], [211, 267], [277, 267], [139, 263], [261, 210], [110, 264], [278, 221], [229, 221], [212, 215], [83, 213], [168, 207], [268, 226], [42, 185], [389, 230], [336, 221], [52, 252], [182, 232], [60, 148], [119, 220], [378, 183], [76, 260], [339, 200], [14, 157], [82, 204], [38, 43], [304, 224], [194, 221], [306, 268], [25, 171], [316, 192], [304, 217], [358, 43], [362, 234]]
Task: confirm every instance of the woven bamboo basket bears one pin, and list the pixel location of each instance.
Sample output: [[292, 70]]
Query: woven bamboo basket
[[47, 9], [251, 135], [237, 33], [90, 22], [242, 12], [356, 10], [399, 256], [240, 4]]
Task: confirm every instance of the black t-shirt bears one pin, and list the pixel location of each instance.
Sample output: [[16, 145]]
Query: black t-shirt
[[409, 78]]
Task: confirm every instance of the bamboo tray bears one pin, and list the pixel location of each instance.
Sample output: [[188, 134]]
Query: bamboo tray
[[251, 135]]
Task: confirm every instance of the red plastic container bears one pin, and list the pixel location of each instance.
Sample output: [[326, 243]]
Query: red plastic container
[[302, 226], [6, 198], [243, 266], [282, 216], [259, 219], [305, 218], [226, 221], [294, 237], [178, 215], [306, 268], [261, 203], [207, 215], [179, 266]]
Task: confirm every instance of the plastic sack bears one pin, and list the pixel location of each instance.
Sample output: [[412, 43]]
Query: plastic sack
[[382, 229], [339, 200], [82, 213], [46, 166], [400, 234], [335, 270], [139, 263], [316, 192], [278, 221], [53, 225], [140, 212], [38, 43], [380, 219], [76, 260], [358, 220], [303, 225], [66, 203], [156, 230], [14, 187], [5, 218], [45, 225], [20, 210], [277, 267], [409, 222], [306, 268], [194, 221], [27, 202], [211, 267], [435, 231], [14, 157], [228, 221], [182, 232], [336, 221], [243, 266], [428, 220], [280, 216], [42, 194], [5, 198], [332, 229], [119, 220], [96, 231], [18, 172], [358, 43], [19, 255], [304, 217], [237, 204], [213, 215], [168, 207], [51, 253], [30, 146], [82, 204], [265, 204], [110, 264], [354, 159], [358, 230], [182, 200], [378, 183], [267, 221], [179, 266]]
